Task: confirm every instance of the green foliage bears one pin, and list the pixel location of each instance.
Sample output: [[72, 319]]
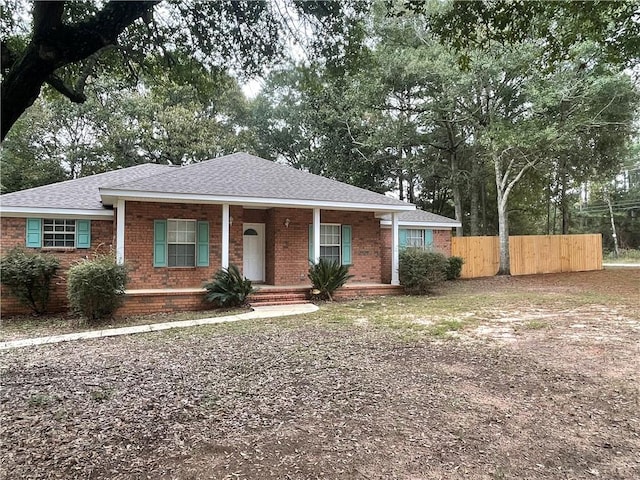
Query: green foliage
[[454, 267], [421, 270], [95, 288], [28, 276], [229, 288], [628, 255], [326, 277]]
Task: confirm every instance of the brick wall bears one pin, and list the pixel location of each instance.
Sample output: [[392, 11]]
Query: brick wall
[[441, 242], [287, 248], [13, 235]]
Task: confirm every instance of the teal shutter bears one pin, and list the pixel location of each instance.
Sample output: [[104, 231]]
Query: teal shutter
[[159, 243], [202, 258], [402, 237], [83, 233], [346, 244], [311, 244], [34, 232], [428, 239]]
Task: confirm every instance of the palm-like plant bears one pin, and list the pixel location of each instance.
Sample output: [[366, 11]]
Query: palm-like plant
[[326, 277], [229, 288]]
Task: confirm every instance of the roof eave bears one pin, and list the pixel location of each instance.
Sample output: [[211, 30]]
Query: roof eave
[[387, 223], [110, 196], [52, 212]]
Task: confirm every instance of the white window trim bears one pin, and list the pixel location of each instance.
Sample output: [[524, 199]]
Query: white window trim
[[44, 221], [195, 242], [339, 244]]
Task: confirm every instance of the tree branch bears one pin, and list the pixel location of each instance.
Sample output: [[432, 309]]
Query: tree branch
[[66, 90], [55, 45]]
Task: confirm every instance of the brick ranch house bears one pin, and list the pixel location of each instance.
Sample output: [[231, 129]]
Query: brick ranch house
[[175, 227]]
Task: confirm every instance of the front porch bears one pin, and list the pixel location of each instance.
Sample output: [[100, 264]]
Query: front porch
[[142, 301]]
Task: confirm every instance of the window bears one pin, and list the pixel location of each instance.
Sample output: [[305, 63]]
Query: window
[[58, 233], [330, 243], [181, 243], [335, 243], [416, 238]]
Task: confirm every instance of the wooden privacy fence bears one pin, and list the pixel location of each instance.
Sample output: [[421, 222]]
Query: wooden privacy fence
[[529, 254]]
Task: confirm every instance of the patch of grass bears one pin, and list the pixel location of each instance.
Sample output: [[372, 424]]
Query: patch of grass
[[536, 325], [102, 394], [445, 327], [40, 400]]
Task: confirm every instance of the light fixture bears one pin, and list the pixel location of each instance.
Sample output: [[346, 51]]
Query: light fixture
[[287, 222], [230, 220]]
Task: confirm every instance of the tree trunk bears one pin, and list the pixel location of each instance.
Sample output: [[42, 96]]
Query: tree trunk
[[503, 222], [457, 196], [613, 226], [564, 209], [474, 207]]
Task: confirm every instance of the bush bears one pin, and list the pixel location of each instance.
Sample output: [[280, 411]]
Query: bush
[[95, 288], [421, 270], [28, 276], [454, 267], [326, 277], [229, 288]]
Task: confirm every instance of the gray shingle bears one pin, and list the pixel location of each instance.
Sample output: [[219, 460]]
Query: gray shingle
[[420, 216], [81, 193], [244, 175]]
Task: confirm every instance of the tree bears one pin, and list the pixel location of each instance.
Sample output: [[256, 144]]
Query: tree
[[69, 40], [469, 24]]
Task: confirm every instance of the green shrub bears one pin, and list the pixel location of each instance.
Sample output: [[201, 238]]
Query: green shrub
[[454, 267], [95, 287], [421, 270], [229, 288], [28, 276], [624, 255], [326, 277]]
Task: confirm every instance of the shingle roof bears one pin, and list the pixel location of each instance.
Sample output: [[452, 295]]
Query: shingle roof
[[245, 175], [81, 193], [420, 216]]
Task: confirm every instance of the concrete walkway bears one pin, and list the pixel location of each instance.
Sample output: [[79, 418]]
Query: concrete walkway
[[258, 312], [621, 265]]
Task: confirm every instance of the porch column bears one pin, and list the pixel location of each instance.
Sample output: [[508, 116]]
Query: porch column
[[395, 252], [120, 231], [316, 235], [225, 236]]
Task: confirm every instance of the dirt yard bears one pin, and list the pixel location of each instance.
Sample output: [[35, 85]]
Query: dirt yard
[[526, 377]]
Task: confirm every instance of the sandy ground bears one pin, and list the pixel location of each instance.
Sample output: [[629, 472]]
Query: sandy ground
[[527, 389]]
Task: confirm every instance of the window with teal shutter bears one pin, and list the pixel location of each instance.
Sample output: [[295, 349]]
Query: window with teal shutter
[[34, 232], [159, 243], [402, 237], [83, 233], [310, 244], [346, 244], [203, 244], [428, 239]]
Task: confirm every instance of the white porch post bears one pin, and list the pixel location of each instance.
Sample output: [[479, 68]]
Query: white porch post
[[316, 235], [395, 252], [120, 231], [225, 236]]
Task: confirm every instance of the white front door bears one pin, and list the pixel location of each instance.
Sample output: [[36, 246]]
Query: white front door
[[253, 251]]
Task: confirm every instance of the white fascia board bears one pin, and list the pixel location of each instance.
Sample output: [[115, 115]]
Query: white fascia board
[[109, 196], [43, 212], [387, 223]]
